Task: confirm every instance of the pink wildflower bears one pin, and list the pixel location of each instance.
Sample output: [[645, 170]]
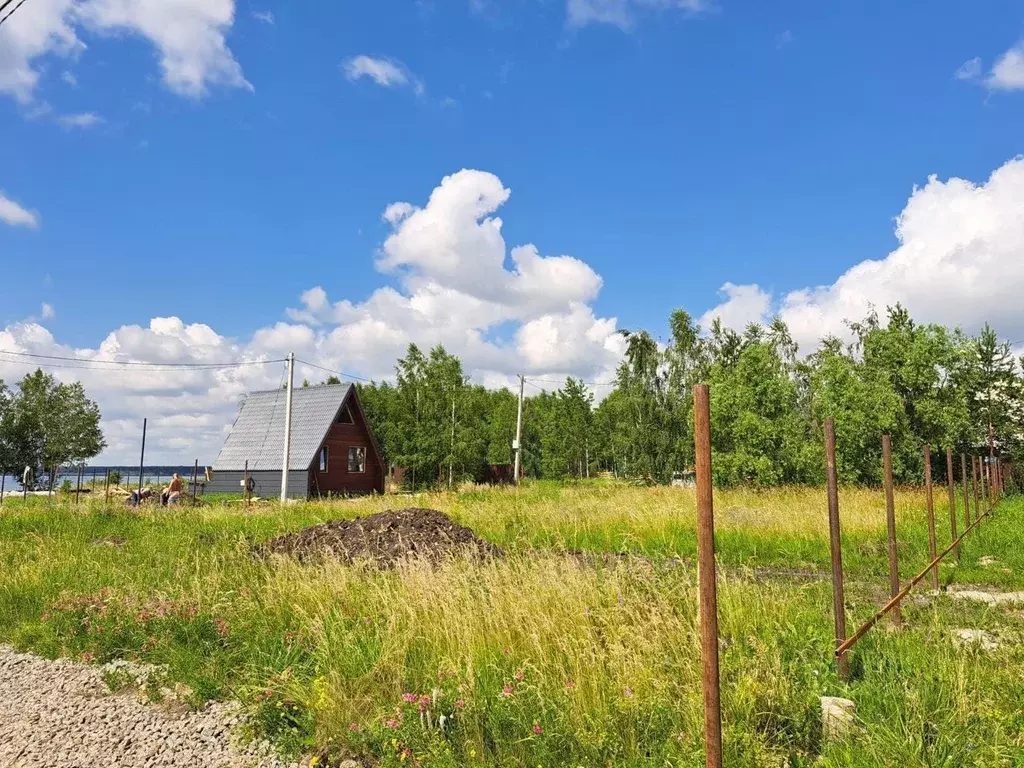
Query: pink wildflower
[[570, 684], [628, 692], [353, 727], [507, 690], [537, 729], [392, 723], [410, 698], [507, 651], [520, 676], [460, 704]]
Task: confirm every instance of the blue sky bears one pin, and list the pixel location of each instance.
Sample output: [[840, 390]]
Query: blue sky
[[669, 147]]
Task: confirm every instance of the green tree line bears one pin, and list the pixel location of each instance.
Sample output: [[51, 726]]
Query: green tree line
[[46, 424], [921, 383]]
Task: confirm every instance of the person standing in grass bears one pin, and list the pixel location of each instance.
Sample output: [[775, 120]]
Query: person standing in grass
[[172, 493]]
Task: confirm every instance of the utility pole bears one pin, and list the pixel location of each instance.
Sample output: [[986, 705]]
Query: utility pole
[[287, 427], [451, 455], [993, 478], [142, 459], [517, 446]]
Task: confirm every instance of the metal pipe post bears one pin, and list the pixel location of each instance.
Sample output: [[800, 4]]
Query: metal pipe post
[[974, 484], [836, 546], [142, 459], [967, 496], [890, 520], [707, 578], [951, 493], [931, 513]]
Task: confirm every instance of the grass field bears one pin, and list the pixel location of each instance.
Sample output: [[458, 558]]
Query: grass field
[[544, 657]]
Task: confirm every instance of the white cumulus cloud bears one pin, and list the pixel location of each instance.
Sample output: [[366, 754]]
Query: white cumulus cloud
[[744, 304], [15, 214], [958, 262], [1008, 72], [502, 310], [190, 38]]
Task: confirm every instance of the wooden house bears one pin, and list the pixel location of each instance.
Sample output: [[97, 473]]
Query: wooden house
[[332, 452]]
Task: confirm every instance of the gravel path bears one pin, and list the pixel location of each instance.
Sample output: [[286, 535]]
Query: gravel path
[[61, 714]]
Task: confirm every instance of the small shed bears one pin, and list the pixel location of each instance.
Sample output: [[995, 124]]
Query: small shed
[[333, 451]]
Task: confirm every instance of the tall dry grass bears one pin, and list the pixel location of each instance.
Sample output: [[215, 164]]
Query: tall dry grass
[[544, 657]]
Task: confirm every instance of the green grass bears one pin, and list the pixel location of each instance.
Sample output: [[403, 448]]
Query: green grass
[[538, 659]]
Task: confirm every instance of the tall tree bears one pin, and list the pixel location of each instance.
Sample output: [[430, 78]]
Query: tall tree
[[756, 432], [53, 424], [997, 391]]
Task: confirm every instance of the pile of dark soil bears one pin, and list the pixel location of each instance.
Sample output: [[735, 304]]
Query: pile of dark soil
[[383, 539]]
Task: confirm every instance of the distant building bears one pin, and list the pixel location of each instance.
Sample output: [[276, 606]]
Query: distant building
[[332, 449]]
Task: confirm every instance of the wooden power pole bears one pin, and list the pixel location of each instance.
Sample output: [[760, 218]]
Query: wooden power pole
[[517, 446]]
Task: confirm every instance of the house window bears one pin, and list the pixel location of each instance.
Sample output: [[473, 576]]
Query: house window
[[345, 417], [356, 459], [323, 459]]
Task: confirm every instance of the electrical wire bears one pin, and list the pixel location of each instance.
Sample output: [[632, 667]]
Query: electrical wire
[[336, 373], [88, 363], [15, 8], [585, 383]]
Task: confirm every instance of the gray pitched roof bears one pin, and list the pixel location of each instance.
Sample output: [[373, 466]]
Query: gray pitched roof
[[258, 433]]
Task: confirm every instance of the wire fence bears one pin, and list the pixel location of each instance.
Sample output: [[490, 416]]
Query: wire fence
[[107, 482], [984, 483]]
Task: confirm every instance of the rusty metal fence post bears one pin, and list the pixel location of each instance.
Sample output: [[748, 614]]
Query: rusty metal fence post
[[951, 493], [836, 546], [931, 513], [986, 488], [890, 521], [974, 484], [967, 496], [707, 578]]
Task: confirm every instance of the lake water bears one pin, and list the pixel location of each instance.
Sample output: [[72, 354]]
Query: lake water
[[152, 476]]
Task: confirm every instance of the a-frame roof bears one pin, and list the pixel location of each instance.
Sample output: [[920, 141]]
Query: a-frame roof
[[258, 433]]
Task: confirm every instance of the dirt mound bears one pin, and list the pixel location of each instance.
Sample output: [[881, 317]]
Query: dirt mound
[[384, 539]]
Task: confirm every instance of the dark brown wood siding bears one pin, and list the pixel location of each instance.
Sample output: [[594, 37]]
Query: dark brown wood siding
[[337, 479]]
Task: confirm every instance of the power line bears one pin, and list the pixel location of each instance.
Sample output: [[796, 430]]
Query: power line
[[15, 8], [585, 383], [336, 373], [86, 363]]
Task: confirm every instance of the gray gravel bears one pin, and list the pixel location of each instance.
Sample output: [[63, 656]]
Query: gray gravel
[[61, 714]]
